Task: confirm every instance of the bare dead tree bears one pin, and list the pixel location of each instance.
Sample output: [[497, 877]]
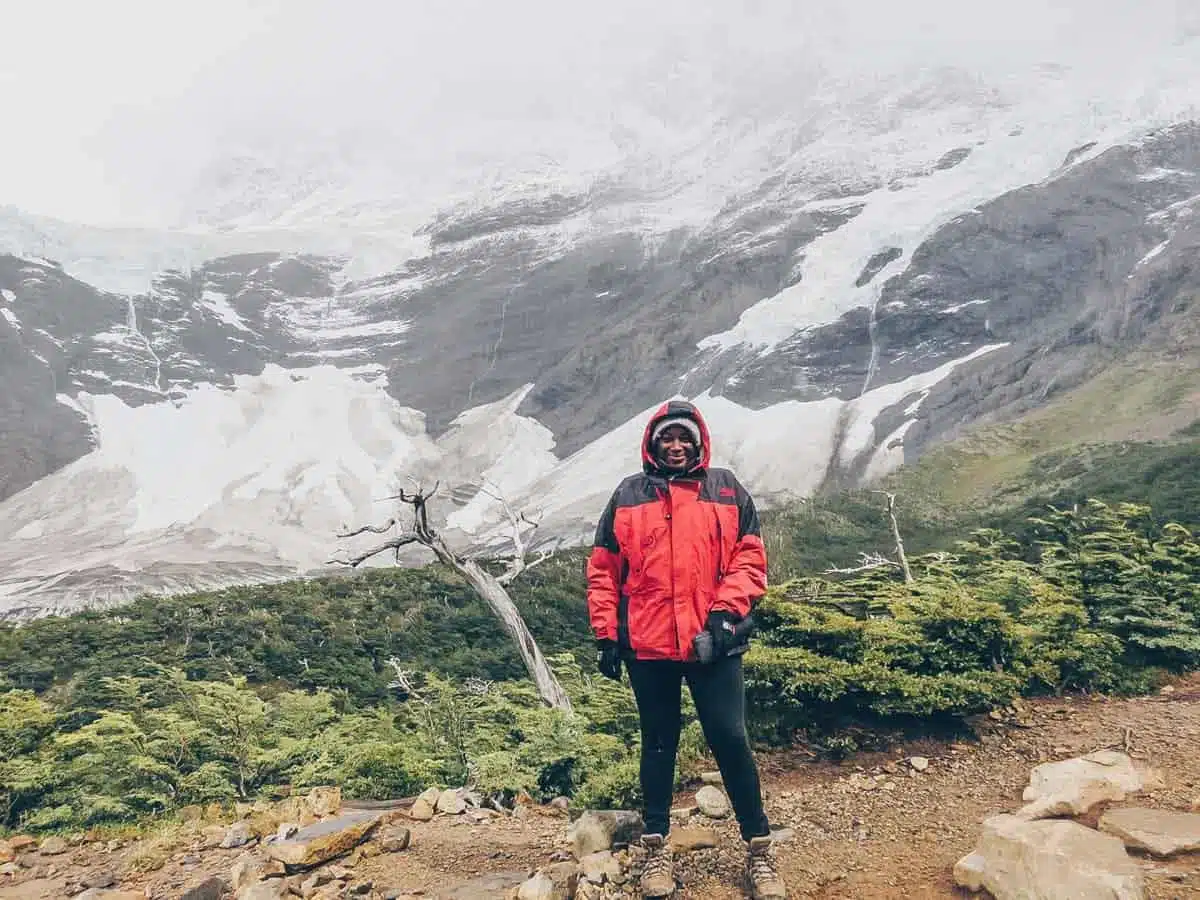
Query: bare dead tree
[[490, 588], [867, 562], [900, 554]]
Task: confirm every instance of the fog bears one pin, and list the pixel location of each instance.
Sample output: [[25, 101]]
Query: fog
[[112, 110]]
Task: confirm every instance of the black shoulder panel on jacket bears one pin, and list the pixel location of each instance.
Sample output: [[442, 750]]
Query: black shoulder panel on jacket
[[720, 487], [636, 490]]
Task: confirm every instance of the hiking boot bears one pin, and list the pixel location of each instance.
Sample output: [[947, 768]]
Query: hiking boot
[[763, 871], [658, 874]]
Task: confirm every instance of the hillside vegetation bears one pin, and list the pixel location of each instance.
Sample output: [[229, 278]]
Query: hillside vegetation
[[1087, 577]]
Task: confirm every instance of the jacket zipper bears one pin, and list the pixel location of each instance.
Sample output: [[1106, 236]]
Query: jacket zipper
[[671, 543], [720, 550]]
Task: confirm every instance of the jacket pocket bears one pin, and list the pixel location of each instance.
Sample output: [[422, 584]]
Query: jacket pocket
[[651, 623]]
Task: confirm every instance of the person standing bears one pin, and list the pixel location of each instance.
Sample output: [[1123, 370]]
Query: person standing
[[678, 554]]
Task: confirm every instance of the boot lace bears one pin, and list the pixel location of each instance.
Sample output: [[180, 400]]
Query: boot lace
[[762, 866], [659, 862]]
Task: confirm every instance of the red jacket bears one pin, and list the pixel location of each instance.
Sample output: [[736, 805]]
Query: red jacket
[[669, 550]]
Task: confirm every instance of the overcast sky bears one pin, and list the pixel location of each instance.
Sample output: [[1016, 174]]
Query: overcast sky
[[105, 103]]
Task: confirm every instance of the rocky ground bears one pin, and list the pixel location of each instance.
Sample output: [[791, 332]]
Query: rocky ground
[[882, 826]]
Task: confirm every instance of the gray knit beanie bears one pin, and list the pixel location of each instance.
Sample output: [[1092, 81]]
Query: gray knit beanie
[[682, 421]]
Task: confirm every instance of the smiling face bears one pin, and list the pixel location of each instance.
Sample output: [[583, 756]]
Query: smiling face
[[676, 449]]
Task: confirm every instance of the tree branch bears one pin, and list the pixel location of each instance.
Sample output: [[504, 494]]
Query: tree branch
[[867, 562], [517, 564], [374, 529], [358, 559]]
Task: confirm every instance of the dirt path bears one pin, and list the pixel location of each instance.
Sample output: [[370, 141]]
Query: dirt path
[[872, 827]]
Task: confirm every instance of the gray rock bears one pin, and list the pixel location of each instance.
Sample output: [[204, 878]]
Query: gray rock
[[271, 889], [1161, 832], [209, 889], [237, 835], [451, 802], [1049, 860], [1074, 786], [713, 802], [598, 830], [599, 867]]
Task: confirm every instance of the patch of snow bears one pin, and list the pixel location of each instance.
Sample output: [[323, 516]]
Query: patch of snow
[[912, 408], [496, 454], [219, 304], [360, 330], [11, 318], [961, 306], [9, 296], [889, 455], [1160, 173], [859, 431], [1153, 253]]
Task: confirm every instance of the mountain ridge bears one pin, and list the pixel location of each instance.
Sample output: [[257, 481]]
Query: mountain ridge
[[281, 374]]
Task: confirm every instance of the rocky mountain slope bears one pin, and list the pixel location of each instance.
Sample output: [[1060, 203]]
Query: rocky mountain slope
[[222, 425]]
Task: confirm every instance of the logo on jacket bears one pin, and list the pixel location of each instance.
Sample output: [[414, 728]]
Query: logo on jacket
[[726, 492]]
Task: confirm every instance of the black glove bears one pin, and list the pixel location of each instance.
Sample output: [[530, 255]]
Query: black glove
[[608, 659], [720, 625]]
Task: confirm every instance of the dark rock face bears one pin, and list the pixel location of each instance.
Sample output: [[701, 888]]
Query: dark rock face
[[601, 330], [49, 327], [1063, 273], [1066, 274]]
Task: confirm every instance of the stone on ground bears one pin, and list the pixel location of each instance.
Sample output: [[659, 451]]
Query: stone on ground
[[325, 840], [713, 802], [451, 802], [1049, 860], [683, 840], [1072, 787], [1158, 831], [600, 867], [598, 830]]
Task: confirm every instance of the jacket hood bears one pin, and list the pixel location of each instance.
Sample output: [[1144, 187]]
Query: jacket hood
[[670, 410]]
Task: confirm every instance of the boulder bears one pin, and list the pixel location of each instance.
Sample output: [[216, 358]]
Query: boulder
[[394, 839], [421, 810], [209, 889], [238, 835], [325, 840], [554, 882], [1022, 859], [598, 830], [1160, 832], [1072, 787], [451, 802], [687, 839], [713, 802], [273, 889], [323, 801], [53, 846], [600, 867]]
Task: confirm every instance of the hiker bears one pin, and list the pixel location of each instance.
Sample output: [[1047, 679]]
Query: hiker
[[678, 554]]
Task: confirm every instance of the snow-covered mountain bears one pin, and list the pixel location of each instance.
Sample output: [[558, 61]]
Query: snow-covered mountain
[[838, 291]]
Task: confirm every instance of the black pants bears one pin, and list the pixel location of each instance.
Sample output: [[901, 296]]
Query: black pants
[[719, 694]]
